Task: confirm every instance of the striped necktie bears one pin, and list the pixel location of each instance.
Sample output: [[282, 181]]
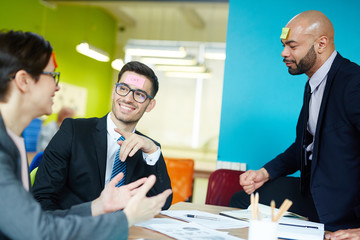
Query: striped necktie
[[119, 166]]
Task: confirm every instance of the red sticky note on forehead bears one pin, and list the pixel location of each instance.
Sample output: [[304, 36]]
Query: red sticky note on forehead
[[54, 59], [135, 80]]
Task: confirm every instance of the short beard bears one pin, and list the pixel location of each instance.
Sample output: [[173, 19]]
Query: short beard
[[305, 64], [124, 120]]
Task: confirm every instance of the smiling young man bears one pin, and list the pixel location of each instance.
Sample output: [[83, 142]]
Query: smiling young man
[[326, 149], [82, 157]]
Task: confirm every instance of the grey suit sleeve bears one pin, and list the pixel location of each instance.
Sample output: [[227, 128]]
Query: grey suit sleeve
[[23, 218]]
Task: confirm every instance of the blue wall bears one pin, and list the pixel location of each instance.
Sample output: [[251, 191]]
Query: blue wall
[[261, 101]]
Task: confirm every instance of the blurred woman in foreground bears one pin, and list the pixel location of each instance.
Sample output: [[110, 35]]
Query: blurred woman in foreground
[[28, 83]]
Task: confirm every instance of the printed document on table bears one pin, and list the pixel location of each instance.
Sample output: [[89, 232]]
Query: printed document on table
[[191, 231], [205, 219], [146, 224], [289, 227], [300, 229]]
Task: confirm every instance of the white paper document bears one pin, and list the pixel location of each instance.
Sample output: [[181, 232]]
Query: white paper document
[[205, 219], [185, 231], [264, 210], [300, 229], [290, 227]]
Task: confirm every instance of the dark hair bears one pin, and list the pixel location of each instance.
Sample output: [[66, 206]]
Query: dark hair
[[21, 51], [141, 69]]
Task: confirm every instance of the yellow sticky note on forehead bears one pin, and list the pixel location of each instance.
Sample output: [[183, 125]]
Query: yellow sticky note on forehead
[[285, 33]]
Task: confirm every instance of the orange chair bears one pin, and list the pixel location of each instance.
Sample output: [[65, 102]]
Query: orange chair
[[223, 183], [181, 171]]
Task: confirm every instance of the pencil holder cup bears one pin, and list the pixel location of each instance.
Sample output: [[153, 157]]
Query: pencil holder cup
[[263, 230]]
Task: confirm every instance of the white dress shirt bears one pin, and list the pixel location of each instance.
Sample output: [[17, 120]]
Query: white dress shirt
[[317, 84], [113, 147]]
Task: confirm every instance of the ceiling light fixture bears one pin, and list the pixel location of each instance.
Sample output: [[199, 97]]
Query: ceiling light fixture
[[194, 75], [215, 55], [170, 61], [179, 68], [93, 52], [117, 64], [171, 52]]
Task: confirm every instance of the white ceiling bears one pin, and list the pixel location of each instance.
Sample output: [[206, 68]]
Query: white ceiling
[[204, 21]]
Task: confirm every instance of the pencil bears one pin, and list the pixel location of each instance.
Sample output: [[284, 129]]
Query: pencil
[[284, 207], [257, 205], [252, 201], [272, 204]]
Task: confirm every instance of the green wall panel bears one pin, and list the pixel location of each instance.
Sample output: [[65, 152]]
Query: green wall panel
[[66, 26]]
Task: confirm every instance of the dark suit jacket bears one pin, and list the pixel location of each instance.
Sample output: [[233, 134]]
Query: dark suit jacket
[[73, 167], [21, 217], [335, 167]]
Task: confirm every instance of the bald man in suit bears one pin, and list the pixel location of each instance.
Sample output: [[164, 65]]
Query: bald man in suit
[[326, 149]]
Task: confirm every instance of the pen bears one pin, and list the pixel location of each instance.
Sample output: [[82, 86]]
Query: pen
[[201, 217], [295, 225]]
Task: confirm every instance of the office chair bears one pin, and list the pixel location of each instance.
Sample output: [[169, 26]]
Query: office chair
[[36, 161], [223, 183], [34, 166], [181, 171], [32, 175]]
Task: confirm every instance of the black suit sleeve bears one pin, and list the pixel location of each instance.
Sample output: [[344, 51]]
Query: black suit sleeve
[[139, 168], [162, 180], [53, 169]]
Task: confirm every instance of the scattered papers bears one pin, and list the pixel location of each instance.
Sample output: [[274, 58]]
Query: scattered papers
[[289, 227], [185, 231], [264, 210], [200, 225], [146, 224], [209, 220]]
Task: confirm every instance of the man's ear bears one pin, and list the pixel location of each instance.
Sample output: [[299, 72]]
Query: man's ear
[[151, 105], [22, 80], [322, 42]]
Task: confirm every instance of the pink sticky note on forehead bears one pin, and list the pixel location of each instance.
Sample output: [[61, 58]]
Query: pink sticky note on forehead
[[135, 80]]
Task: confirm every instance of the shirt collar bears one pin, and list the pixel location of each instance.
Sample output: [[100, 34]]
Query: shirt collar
[[322, 72], [110, 126]]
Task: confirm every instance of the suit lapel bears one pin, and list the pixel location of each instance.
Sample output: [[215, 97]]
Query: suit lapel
[[338, 61], [100, 144], [10, 147]]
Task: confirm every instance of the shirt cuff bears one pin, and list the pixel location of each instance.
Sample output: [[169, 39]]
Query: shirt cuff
[[151, 159]]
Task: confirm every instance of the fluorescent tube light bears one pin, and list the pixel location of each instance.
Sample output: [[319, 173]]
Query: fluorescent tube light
[[179, 68], [93, 52], [170, 61], [215, 55], [175, 52], [117, 64], [193, 75]]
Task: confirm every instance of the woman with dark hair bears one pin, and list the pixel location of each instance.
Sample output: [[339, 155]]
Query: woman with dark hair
[[28, 82]]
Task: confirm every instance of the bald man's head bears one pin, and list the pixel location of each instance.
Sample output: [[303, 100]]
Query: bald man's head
[[312, 23], [308, 43]]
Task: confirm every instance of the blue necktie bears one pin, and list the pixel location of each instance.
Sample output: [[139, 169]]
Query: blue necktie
[[119, 166]]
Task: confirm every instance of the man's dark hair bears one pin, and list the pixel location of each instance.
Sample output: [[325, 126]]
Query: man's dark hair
[[144, 70], [21, 51]]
